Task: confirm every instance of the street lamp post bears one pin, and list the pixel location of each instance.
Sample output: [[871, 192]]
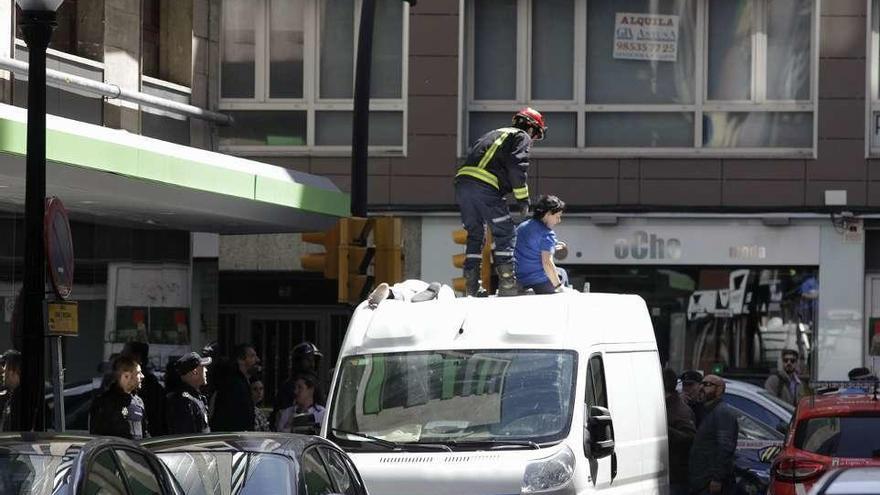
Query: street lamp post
[[37, 22]]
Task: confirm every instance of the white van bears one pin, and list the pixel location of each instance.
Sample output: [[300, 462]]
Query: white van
[[554, 394]]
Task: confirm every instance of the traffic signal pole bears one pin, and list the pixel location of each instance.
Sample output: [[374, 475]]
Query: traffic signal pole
[[361, 120], [360, 138]]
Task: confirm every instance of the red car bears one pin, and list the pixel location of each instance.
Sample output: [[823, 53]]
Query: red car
[[828, 431]]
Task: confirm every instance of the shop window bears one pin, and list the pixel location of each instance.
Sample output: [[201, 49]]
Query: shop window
[[287, 75], [681, 77], [738, 318]]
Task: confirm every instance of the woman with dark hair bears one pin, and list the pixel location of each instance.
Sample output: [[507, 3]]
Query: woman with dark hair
[[305, 403], [535, 244], [261, 422]]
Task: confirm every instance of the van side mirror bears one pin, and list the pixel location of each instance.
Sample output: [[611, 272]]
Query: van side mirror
[[598, 433]]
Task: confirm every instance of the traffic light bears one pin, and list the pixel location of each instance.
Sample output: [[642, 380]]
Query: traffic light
[[359, 253], [328, 261], [388, 239], [459, 236], [355, 259]]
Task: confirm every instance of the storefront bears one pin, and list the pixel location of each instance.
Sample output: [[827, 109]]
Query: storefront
[[724, 292]]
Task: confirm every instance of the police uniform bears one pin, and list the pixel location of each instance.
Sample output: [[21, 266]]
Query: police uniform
[[187, 411], [6, 397], [119, 414], [186, 408]]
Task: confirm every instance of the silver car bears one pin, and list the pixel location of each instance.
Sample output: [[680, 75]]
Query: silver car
[[849, 481]]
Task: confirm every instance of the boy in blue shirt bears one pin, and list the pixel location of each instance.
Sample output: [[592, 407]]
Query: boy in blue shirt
[[535, 244]]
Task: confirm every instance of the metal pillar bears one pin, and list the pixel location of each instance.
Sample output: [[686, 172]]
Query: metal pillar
[[37, 27]]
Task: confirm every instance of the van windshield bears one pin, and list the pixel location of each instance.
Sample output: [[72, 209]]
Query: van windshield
[[463, 399]]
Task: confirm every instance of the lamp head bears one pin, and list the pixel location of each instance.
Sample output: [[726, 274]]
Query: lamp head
[[39, 5]]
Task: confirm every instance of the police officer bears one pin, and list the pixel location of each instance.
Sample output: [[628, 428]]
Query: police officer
[[496, 165], [117, 411], [187, 410], [10, 364]]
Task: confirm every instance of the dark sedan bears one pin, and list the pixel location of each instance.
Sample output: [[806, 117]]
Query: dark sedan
[[257, 464], [50, 464]]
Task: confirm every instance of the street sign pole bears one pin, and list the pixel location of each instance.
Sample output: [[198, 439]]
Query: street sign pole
[[58, 382]]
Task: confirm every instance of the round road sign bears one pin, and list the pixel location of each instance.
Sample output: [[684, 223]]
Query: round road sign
[[59, 247]]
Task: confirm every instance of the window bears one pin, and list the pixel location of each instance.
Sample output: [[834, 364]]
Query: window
[[752, 430], [754, 410], [287, 75], [104, 477], [873, 127], [315, 475], [845, 436], [682, 77], [596, 394], [336, 465], [141, 477]]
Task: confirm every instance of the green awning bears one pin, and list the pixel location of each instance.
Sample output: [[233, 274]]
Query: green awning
[[103, 172]]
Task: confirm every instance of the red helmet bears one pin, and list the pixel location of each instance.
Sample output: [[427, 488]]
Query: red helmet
[[531, 118]]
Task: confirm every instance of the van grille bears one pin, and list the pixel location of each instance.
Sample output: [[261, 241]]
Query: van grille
[[454, 459]]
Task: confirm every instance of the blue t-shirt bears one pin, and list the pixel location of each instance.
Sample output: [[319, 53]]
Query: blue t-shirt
[[532, 237]]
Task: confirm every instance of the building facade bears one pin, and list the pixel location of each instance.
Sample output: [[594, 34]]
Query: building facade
[[716, 156]]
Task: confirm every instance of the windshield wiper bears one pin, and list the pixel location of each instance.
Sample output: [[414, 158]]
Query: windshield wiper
[[493, 444], [378, 441], [393, 445]]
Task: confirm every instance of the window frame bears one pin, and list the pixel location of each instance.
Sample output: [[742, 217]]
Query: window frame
[[311, 103], [581, 108], [872, 80]]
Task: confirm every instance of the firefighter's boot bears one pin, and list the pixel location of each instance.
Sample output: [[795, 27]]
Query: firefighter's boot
[[473, 283], [506, 280]]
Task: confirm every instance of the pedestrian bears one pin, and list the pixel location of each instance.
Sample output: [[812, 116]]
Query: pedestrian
[[233, 406], [785, 382], [496, 165], [151, 391], [305, 402], [710, 463], [535, 244], [261, 422], [690, 392], [187, 408], [10, 363], [118, 411], [681, 428], [306, 358]]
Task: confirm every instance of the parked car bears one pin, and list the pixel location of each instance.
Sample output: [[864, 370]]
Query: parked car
[[848, 481], [829, 431], [257, 464], [751, 467], [59, 464], [758, 403]]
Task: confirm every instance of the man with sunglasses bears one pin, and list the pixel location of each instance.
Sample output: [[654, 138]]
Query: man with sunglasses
[[785, 382], [710, 464]]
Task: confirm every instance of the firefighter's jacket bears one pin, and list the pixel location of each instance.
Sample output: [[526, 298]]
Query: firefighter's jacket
[[501, 159]]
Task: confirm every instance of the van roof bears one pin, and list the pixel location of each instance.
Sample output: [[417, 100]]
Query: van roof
[[570, 320]]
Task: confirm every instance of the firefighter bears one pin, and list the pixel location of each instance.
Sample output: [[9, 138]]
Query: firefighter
[[496, 165]]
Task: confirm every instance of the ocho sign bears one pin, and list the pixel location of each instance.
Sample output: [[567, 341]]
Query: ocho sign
[[646, 37]]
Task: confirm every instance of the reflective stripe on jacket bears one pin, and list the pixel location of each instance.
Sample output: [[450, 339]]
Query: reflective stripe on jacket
[[500, 158]]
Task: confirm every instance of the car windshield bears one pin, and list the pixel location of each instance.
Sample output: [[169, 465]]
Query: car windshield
[[235, 473], [840, 436], [455, 397], [30, 474], [776, 400]]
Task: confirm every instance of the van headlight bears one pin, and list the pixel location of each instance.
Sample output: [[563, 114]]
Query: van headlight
[[549, 474]]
